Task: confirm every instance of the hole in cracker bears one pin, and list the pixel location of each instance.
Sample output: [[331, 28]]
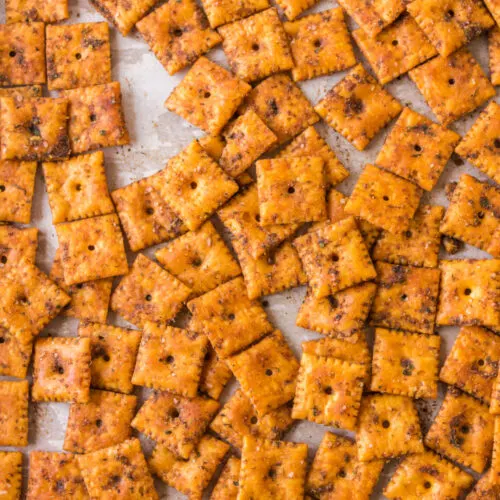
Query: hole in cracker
[[417, 147], [341, 473], [106, 358], [177, 32], [93, 117], [193, 185], [265, 303], [3, 259], [175, 413], [257, 218], [59, 369], [255, 47], [148, 297], [78, 187], [12, 53], [91, 248], [450, 13], [408, 234], [496, 142], [78, 56], [465, 429], [334, 303], [207, 94], [98, 422], [150, 211], [335, 257], [269, 372], [480, 362], [23, 300], [451, 81], [404, 297], [79, 286], [427, 485], [169, 359], [271, 473], [386, 424], [467, 291], [395, 42], [480, 215], [2, 188], [254, 420], [291, 190], [231, 316], [385, 198], [328, 390], [317, 43], [196, 262], [2, 340]]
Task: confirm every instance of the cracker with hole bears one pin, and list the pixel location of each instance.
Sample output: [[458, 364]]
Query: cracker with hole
[[182, 423], [17, 245], [14, 398], [494, 53], [19, 11], [462, 431], [15, 353], [215, 375], [452, 86], [227, 485], [358, 108], [221, 12], [417, 149], [11, 474]]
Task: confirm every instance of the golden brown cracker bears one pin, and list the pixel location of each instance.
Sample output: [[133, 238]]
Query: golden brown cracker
[[227, 485], [494, 53], [221, 12], [20, 93], [17, 245], [494, 471], [293, 8], [215, 374], [11, 475], [18, 11], [484, 489], [14, 398], [15, 353]]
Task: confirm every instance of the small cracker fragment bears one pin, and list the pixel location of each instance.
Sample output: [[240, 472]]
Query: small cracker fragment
[[293, 8], [385, 200], [227, 486], [208, 96], [462, 431], [11, 474], [17, 187], [17, 245], [405, 363], [494, 53], [221, 12], [182, 424], [484, 489], [417, 149], [78, 55], [61, 370], [19, 11], [15, 353], [334, 257], [388, 427], [358, 107], [452, 86], [215, 374], [14, 398]]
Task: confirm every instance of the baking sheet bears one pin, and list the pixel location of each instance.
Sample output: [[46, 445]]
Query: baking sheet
[[156, 135]]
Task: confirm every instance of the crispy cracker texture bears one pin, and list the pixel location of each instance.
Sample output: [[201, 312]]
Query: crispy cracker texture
[[227, 486], [215, 375], [17, 245], [14, 413], [11, 474], [221, 12], [293, 8], [18, 11], [15, 353]]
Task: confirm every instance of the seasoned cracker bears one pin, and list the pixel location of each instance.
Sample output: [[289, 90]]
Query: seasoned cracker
[[494, 9], [213, 145], [494, 471], [11, 474], [18, 11], [17, 245], [227, 485], [215, 374], [14, 413], [494, 53], [221, 12], [495, 395], [293, 8], [15, 353], [484, 489], [20, 93]]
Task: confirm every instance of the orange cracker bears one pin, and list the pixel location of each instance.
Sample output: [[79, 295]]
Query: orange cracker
[[452, 86], [358, 107], [384, 199], [177, 33], [462, 431], [213, 145], [334, 257], [494, 9], [221, 12], [494, 471], [417, 149], [20, 93], [388, 427], [227, 486], [18, 11], [495, 395], [15, 353], [229, 318], [14, 413], [11, 474], [91, 249], [208, 96], [494, 53], [17, 187], [484, 489], [182, 424], [17, 245], [293, 8], [200, 259], [215, 375]]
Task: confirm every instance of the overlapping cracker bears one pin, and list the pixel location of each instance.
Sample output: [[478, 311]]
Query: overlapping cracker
[[293, 8], [484, 489], [17, 245], [494, 53], [11, 475], [18, 11], [15, 353], [215, 374], [227, 486], [14, 413], [227, 11]]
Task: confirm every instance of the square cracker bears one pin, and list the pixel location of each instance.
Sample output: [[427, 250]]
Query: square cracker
[[61, 370], [452, 86], [396, 50], [320, 44], [11, 474], [227, 485], [77, 188], [101, 422], [481, 144], [194, 185], [462, 431], [293, 8], [358, 107], [91, 249], [267, 372], [406, 298], [15, 353], [34, 129], [78, 55], [427, 476], [470, 292], [200, 259], [18, 11], [417, 149], [17, 187], [177, 33], [473, 215], [405, 363], [334, 257], [450, 24], [148, 293], [14, 413], [96, 117], [384, 199], [208, 96], [229, 318], [17, 245], [388, 427], [221, 12], [22, 54], [215, 374], [118, 472], [182, 424], [494, 53]]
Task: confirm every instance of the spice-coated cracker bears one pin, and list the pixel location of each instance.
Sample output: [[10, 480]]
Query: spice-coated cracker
[[494, 9], [494, 53], [229, 318], [267, 372], [238, 419], [221, 12], [257, 47], [282, 106], [61, 370], [96, 117], [14, 413], [388, 427], [18, 11], [358, 107], [452, 23], [11, 474], [121, 468], [405, 363], [494, 471], [15, 353], [17, 187], [200, 259], [20, 93], [34, 129], [384, 199], [334, 257], [469, 293], [452, 86], [462, 431], [177, 33], [495, 395], [215, 374], [78, 55], [213, 145], [417, 149], [182, 424], [17, 245], [484, 489], [22, 54], [101, 422], [227, 486], [91, 249], [208, 96], [293, 8]]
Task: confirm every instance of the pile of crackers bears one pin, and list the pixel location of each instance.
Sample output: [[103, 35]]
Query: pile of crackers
[[378, 266]]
